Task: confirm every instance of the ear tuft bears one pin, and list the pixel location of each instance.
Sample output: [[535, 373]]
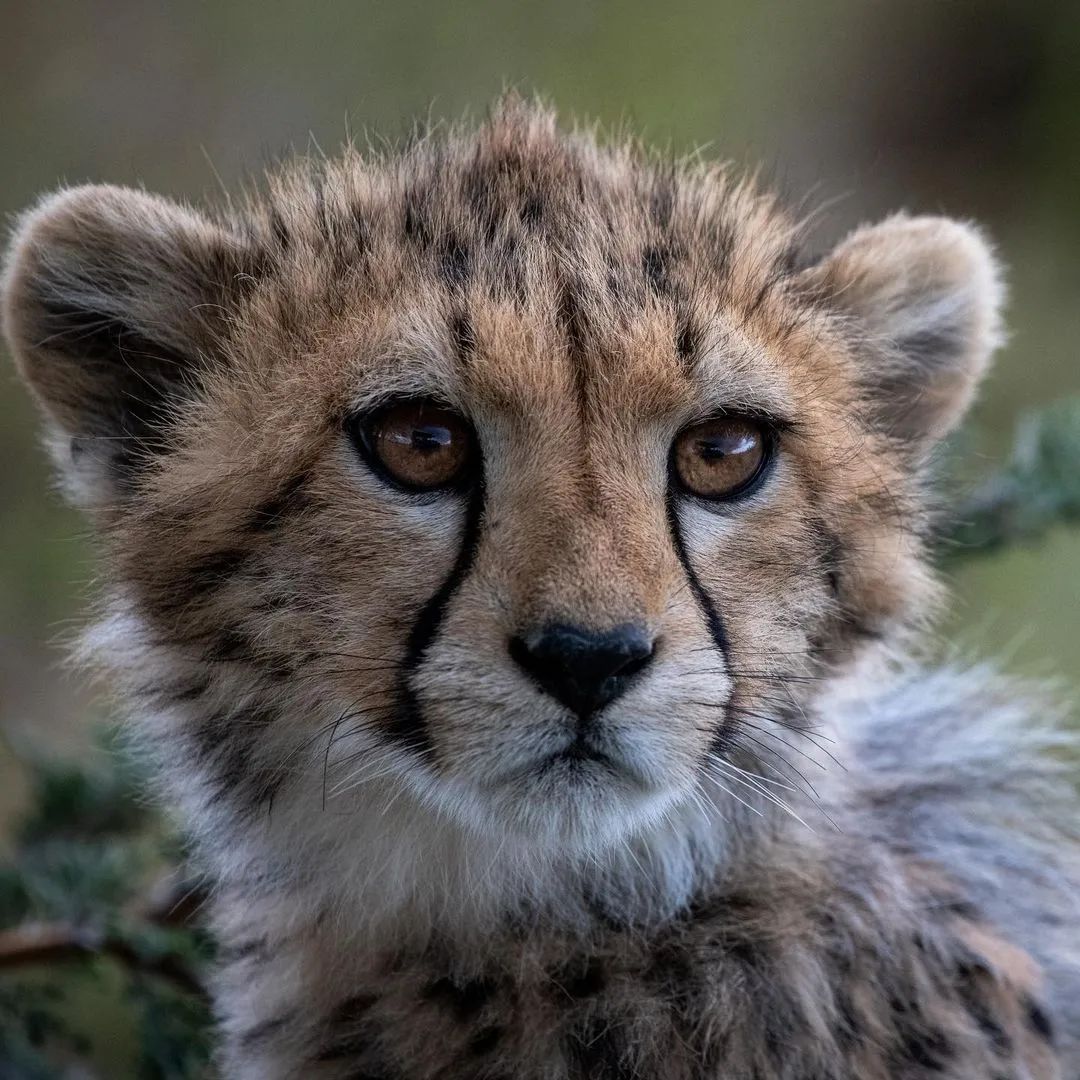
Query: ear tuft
[[112, 303], [927, 293]]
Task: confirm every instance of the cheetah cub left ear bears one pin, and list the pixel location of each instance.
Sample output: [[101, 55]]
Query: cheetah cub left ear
[[113, 306], [927, 294]]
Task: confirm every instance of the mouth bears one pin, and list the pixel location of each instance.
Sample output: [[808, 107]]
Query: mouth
[[579, 754]]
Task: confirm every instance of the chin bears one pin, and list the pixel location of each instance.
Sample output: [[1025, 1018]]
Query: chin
[[570, 805]]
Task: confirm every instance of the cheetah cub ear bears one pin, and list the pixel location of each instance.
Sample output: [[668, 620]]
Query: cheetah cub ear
[[112, 302], [928, 294]]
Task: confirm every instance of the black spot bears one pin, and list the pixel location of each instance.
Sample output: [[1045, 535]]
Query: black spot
[[353, 1009], [485, 1040], [720, 235], [532, 210], [229, 645], [464, 999], [582, 980], [687, 339], [454, 261], [598, 1051], [353, 1046], [963, 909], [846, 1032], [673, 975], [279, 229], [656, 266], [662, 199], [461, 330], [187, 691], [416, 226], [832, 556], [210, 572], [288, 500], [928, 1049], [1039, 1022]]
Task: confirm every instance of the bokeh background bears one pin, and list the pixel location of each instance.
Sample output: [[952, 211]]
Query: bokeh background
[[865, 106]]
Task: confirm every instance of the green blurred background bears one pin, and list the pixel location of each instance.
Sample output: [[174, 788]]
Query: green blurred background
[[965, 108]]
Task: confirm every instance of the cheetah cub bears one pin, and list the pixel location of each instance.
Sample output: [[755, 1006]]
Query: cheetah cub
[[512, 546]]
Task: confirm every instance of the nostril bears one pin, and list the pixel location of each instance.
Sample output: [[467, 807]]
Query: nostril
[[583, 669]]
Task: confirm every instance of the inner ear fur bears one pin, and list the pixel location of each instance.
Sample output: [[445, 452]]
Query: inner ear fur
[[927, 294], [114, 303]]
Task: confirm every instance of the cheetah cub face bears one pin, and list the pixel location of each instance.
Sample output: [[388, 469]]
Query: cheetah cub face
[[508, 481]]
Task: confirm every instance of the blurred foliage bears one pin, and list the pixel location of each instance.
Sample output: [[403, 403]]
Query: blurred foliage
[[90, 937], [1038, 488]]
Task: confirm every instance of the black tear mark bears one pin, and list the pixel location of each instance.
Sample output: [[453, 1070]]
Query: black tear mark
[[407, 724], [713, 622]]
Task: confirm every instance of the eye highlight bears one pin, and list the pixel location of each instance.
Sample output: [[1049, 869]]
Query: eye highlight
[[721, 458], [418, 445]]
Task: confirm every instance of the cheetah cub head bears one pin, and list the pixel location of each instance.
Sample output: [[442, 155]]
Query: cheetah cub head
[[508, 485]]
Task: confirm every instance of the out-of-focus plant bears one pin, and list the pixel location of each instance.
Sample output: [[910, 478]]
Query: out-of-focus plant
[[96, 935], [1038, 487], [94, 907]]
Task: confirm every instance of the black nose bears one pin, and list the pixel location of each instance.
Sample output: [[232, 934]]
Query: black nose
[[583, 669]]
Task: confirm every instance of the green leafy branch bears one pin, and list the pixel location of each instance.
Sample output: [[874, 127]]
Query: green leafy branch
[[1036, 489]]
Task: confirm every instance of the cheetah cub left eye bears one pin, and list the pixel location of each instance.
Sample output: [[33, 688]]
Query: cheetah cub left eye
[[417, 444], [722, 458]]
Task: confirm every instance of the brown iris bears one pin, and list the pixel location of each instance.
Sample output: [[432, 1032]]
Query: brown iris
[[722, 457], [419, 445]]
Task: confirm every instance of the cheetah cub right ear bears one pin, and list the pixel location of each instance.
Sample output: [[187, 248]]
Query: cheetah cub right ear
[[114, 305], [928, 294]]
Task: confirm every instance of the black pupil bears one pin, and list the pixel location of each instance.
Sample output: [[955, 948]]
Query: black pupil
[[722, 446], [430, 438]]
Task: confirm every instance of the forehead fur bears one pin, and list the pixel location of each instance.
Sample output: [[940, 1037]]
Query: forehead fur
[[520, 217]]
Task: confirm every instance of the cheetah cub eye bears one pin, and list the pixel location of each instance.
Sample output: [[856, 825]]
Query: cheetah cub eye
[[418, 445], [722, 458]]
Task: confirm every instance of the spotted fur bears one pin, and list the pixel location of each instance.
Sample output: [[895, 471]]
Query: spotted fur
[[795, 854]]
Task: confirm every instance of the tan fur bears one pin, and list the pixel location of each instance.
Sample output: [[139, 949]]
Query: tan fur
[[403, 888]]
